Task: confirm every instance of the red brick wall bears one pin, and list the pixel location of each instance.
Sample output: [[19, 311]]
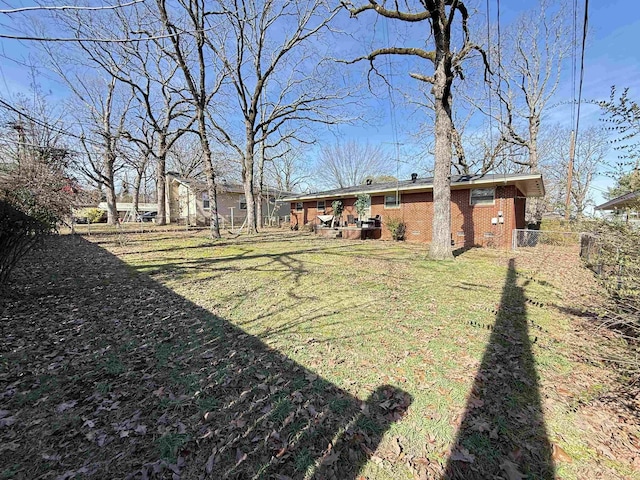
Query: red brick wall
[[311, 212], [470, 224], [416, 210]]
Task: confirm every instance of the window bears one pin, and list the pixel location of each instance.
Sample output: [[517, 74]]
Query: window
[[206, 204], [243, 203], [299, 206], [392, 201], [482, 196], [321, 205]]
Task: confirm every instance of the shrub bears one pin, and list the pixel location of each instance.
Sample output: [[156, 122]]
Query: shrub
[[611, 250], [94, 215], [397, 227], [338, 208], [18, 233], [361, 204]]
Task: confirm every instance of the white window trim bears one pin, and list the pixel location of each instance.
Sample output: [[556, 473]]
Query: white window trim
[[483, 204], [205, 194], [240, 203], [324, 207], [295, 206], [397, 206]]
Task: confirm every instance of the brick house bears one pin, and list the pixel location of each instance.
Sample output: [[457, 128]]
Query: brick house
[[484, 208]]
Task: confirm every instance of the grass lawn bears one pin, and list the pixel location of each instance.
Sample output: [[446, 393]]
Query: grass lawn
[[168, 355]]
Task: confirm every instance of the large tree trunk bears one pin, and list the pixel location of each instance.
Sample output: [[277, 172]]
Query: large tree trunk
[[534, 128], [535, 207], [112, 209], [209, 173], [136, 191], [247, 180], [259, 200], [161, 218], [110, 185], [441, 228], [212, 191]]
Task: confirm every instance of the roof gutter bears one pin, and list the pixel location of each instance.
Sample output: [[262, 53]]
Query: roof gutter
[[426, 187]]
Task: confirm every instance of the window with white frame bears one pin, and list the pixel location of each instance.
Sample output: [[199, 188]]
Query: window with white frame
[[482, 196], [299, 206], [321, 205], [243, 203], [206, 204], [392, 201]]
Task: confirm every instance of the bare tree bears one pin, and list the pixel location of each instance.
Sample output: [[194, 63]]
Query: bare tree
[[288, 172], [188, 50], [277, 77], [590, 152], [101, 114], [350, 163], [185, 157], [447, 64], [100, 107], [159, 114], [137, 160], [535, 48]]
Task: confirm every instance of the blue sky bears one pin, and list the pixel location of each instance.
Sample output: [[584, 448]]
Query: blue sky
[[612, 58]]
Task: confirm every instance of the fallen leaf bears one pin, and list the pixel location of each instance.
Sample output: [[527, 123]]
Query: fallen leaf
[[240, 457], [559, 455], [7, 421], [210, 461], [462, 455], [141, 429], [66, 406], [331, 459], [511, 470]]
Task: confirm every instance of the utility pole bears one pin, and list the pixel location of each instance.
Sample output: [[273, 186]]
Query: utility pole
[[18, 127], [572, 151]]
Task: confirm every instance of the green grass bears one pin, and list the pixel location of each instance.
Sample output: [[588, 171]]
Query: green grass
[[169, 445], [479, 350], [361, 314]]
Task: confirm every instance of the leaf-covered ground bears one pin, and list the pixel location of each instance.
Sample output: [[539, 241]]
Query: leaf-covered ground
[[168, 355]]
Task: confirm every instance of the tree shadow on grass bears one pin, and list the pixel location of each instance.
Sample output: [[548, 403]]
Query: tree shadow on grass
[[108, 374], [502, 431]]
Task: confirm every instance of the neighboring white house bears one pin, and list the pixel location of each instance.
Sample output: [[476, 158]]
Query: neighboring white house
[[126, 208], [187, 202], [625, 207]]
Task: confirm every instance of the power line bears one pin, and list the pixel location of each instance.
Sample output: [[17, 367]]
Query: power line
[[392, 116], [584, 41], [489, 62], [574, 62], [574, 134], [97, 39], [67, 7], [14, 109]]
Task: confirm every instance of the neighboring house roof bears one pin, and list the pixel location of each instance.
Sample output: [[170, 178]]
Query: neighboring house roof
[[126, 206], [531, 185], [623, 201], [222, 187]]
